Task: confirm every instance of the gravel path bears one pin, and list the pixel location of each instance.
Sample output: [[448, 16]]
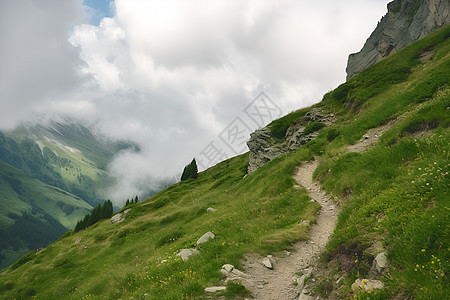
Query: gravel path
[[277, 283]]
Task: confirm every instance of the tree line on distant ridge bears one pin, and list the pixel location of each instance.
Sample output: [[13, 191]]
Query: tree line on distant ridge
[[104, 211]]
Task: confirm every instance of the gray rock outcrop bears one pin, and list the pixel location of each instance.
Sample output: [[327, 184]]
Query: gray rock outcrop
[[405, 22], [264, 147]]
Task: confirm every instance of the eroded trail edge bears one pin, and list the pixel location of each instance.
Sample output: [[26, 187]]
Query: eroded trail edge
[[285, 280]]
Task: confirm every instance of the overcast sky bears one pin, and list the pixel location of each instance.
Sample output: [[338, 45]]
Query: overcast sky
[[176, 76]]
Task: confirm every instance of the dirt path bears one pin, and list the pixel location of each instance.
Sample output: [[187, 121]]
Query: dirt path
[[370, 138], [278, 283]]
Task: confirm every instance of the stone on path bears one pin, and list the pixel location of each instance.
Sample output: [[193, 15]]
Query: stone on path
[[267, 263], [214, 289], [207, 236]]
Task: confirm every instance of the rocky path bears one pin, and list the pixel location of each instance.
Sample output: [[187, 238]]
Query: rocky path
[[285, 280]]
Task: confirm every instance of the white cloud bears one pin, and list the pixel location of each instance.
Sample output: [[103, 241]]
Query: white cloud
[[172, 74]]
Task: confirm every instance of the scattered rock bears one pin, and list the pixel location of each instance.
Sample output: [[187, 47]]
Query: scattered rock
[[367, 284], [77, 241], [228, 267], [267, 263], [236, 280], [239, 273], [206, 237], [224, 272], [126, 211], [210, 209], [164, 261], [305, 297], [185, 253], [214, 289], [381, 262]]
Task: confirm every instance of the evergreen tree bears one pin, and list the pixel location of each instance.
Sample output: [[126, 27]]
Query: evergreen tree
[[190, 171], [136, 200], [107, 210], [128, 202]]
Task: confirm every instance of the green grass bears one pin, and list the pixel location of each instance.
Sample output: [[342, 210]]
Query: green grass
[[395, 195]]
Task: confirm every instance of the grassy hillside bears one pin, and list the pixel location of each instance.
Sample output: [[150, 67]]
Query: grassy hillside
[[394, 198]]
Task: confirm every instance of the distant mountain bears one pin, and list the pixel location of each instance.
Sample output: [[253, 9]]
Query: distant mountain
[[50, 176]]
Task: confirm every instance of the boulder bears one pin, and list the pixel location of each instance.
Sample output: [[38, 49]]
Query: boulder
[[117, 218], [210, 209], [185, 253], [206, 237], [381, 262], [126, 211]]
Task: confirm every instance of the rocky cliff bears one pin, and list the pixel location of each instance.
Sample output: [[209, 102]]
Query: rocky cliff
[[405, 22], [264, 146]]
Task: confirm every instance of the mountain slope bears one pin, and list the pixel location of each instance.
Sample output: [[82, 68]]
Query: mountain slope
[[394, 197]]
